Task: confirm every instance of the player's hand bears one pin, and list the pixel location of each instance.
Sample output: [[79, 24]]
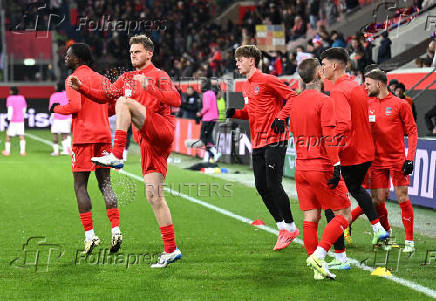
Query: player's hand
[[408, 167], [53, 106], [143, 81], [74, 82], [334, 181], [230, 112], [278, 126]]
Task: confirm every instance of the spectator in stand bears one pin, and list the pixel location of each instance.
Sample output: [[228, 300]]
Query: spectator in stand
[[278, 64], [313, 12], [215, 60], [190, 104], [429, 57], [299, 28], [430, 117], [290, 64], [338, 39], [332, 12], [400, 92], [301, 54], [384, 51], [393, 83]]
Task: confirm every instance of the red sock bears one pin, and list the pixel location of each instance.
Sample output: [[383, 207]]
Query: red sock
[[114, 217], [355, 213], [167, 233], [407, 217], [383, 216], [310, 236], [120, 141], [375, 221], [332, 231], [86, 219], [339, 251]]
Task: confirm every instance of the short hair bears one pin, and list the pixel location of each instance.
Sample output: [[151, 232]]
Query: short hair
[[335, 53], [307, 69], [370, 67], [14, 90], [401, 86], [83, 53], [377, 75], [249, 51], [144, 40]]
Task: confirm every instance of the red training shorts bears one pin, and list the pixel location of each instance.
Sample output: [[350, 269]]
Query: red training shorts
[[155, 139], [82, 154], [379, 178], [314, 193]]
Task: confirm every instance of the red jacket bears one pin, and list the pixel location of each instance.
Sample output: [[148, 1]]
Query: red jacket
[[90, 119], [263, 96], [391, 119]]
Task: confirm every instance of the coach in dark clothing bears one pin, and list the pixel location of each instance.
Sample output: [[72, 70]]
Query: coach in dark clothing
[[384, 51], [190, 104]]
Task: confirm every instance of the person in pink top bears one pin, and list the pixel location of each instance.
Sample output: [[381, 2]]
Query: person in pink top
[[17, 106], [209, 115], [61, 124]]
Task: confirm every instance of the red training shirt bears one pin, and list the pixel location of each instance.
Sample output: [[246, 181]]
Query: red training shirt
[[313, 125], [391, 119], [90, 119], [263, 96]]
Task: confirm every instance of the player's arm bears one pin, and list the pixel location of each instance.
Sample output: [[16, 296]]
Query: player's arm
[[73, 106], [10, 112], [283, 92], [343, 113], [163, 89], [97, 88], [328, 126], [241, 114], [410, 129]]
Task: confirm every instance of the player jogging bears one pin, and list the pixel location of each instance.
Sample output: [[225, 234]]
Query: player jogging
[[354, 131], [61, 124], [318, 181], [91, 137], [263, 96], [17, 106], [391, 119], [148, 94]]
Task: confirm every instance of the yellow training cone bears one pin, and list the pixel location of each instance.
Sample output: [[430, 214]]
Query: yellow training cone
[[381, 272]]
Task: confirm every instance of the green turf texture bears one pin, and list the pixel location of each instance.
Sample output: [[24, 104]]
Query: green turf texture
[[223, 258]]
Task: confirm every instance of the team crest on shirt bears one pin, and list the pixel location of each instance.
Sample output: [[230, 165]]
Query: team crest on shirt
[[256, 90], [388, 111]]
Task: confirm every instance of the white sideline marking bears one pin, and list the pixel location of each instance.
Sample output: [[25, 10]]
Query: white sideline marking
[[410, 284]]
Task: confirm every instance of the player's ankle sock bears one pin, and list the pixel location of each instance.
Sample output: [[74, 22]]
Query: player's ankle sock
[[407, 217], [320, 252], [55, 148], [376, 225], [22, 146], [383, 216], [355, 213], [281, 225], [89, 234], [114, 217], [116, 230], [167, 233], [290, 227], [310, 236], [120, 141], [341, 255], [65, 145], [7, 147], [86, 219], [332, 231]]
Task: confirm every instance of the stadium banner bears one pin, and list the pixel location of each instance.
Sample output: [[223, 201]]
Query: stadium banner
[[290, 159], [270, 37], [36, 116], [186, 129], [422, 181]]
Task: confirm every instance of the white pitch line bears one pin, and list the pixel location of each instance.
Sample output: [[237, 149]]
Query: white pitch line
[[410, 284]]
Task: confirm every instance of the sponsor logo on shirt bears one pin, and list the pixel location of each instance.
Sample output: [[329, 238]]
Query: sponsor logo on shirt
[[388, 111], [256, 90]]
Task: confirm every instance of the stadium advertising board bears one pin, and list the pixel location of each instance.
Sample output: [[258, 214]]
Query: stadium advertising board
[[36, 117]]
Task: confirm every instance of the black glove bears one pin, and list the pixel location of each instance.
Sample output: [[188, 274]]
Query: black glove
[[54, 106], [408, 167], [278, 126], [230, 112], [334, 181]]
